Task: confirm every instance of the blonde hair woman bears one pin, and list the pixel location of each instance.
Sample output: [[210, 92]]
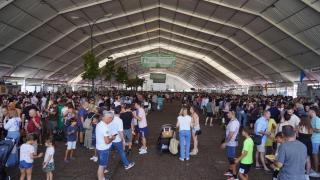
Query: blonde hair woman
[[195, 130], [184, 126]]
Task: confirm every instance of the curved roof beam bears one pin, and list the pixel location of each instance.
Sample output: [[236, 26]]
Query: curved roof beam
[[123, 38], [312, 4], [193, 15], [265, 18], [187, 52], [193, 66]]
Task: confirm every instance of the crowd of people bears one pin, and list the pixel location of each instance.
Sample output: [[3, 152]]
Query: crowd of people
[[101, 123], [284, 132]]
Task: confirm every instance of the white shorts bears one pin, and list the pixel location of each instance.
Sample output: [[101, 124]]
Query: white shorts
[[261, 148], [71, 145]]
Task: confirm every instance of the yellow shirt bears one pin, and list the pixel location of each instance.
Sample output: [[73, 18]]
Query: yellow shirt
[[272, 125]]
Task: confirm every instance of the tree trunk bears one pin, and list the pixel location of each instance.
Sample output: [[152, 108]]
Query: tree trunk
[[92, 87]]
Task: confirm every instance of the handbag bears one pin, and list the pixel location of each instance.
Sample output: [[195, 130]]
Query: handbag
[[173, 147], [257, 139], [198, 132], [87, 123]]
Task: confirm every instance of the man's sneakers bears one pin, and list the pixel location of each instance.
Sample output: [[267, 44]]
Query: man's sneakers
[[143, 151], [227, 173], [232, 178], [94, 158], [129, 166], [314, 174]]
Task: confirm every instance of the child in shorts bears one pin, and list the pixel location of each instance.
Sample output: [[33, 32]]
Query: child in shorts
[[246, 158], [71, 140], [27, 155], [48, 163]]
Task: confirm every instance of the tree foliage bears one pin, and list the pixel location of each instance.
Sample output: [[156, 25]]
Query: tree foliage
[[135, 82], [108, 70], [121, 75], [91, 67]]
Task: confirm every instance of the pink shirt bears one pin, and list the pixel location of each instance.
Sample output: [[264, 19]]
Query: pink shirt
[[143, 122]]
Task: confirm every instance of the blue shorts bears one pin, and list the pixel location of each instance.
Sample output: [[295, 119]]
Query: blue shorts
[[231, 154], [80, 127], [25, 165], [143, 132], [103, 156], [315, 148]]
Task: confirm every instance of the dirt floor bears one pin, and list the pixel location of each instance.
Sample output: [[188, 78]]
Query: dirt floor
[[210, 163]]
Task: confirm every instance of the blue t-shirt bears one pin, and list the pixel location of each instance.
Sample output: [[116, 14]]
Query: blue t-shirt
[[261, 125], [82, 113], [315, 123], [72, 133]]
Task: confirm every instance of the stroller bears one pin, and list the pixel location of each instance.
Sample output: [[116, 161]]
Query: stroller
[[166, 134], [6, 147]]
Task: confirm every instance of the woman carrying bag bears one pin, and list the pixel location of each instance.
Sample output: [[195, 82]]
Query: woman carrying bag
[[184, 126]]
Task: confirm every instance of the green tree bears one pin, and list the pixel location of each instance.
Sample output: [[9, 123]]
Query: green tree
[[91, 69], [121, 75], [108, 71], [135, 82]]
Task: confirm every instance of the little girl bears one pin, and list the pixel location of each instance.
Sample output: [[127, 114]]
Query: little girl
[[27, 155], [48, 163]]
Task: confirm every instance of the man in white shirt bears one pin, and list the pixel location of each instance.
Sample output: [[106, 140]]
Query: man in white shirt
[[231, 142], [34, 100], [116, 127], [43, 102], [104, 138], [140, 115]]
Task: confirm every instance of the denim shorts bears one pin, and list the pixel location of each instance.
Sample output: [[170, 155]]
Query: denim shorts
[[25, 165], [128, 135], [143, 132], [231, 154], [315, 148], [103, 156]]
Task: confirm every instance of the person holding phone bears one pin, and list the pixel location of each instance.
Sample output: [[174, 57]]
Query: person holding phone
[[104, 140]]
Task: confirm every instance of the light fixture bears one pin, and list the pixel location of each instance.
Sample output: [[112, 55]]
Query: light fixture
[[74, 17]]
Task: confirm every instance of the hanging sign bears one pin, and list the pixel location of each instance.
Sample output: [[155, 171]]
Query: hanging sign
[[158, 60]]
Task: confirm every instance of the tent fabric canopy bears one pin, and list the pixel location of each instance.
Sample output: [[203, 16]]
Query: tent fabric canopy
[[256, 41]]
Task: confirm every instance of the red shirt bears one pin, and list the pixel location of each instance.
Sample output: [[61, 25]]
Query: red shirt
[[31, 126]]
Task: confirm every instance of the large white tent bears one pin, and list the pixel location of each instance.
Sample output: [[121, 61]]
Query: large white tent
[[216, 42]]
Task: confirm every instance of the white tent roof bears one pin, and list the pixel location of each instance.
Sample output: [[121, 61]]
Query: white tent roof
[[243, 41]]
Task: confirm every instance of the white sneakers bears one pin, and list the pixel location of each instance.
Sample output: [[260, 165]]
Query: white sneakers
[[129, 166], [143, 151], [94, 158], [313, 173]]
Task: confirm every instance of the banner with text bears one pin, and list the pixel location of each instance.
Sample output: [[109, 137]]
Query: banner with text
[[158, 60]]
